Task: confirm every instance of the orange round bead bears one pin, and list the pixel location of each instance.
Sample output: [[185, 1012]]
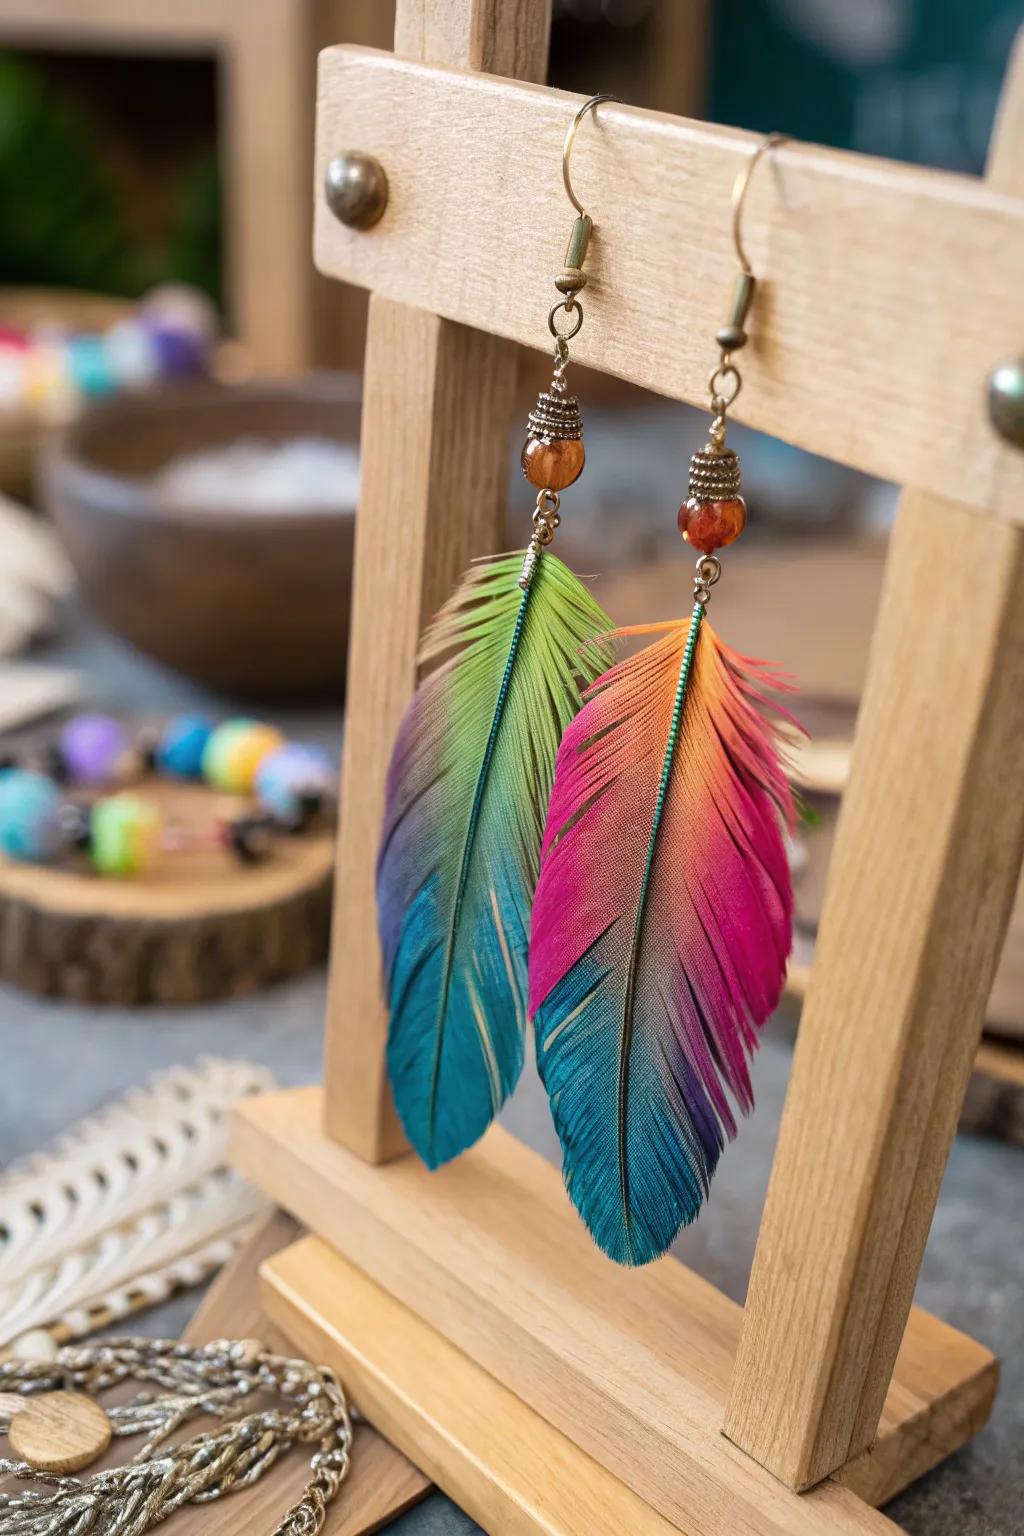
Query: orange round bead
[[553, 466], [710, 525]]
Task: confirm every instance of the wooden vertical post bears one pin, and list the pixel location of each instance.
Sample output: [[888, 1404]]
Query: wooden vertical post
[[268, 77], [923, 875], [434, 459]]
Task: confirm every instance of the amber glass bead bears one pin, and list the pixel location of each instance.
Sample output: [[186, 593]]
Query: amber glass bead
[[710, 525], [553, 466]]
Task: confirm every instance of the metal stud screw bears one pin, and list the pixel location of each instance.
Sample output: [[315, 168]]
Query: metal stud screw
[[1006, 401], [356, 189]]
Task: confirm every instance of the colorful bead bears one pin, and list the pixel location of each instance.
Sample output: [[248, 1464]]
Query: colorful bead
[[30, 827], [552, 466], [180, 748], [94, 749], [125, 831], [12, 378], [46, 382], [710, 525], [293, 782], [234, 752], [178, 354], [89, 366], [131, 354]]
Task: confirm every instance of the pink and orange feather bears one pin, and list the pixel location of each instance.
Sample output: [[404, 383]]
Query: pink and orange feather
[[661, 928]]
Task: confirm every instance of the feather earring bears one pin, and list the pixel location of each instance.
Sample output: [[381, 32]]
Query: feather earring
[[468, 784], [662, 920]]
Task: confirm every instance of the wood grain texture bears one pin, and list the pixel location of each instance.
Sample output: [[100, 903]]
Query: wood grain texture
[[856, 257], [501, 1463], [507, 1467], [921, 884], [60, 1432], [199, 925], [499, 37], [438, 400], [382, 1482], [634, 1366], [266, 56], [921, 887]]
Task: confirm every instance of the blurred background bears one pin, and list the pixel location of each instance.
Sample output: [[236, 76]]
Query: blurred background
[[179, 410]]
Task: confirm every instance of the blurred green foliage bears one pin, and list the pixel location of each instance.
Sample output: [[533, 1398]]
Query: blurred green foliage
[[61, 224]]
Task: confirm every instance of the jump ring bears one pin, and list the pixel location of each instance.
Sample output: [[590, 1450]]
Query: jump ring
[[709, 569], [571, 306], [725, 374]]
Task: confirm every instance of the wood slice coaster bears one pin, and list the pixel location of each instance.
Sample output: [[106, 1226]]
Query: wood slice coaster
[[199, 926]]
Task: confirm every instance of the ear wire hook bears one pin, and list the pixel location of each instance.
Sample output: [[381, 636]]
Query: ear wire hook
[[570, 139], [740, 188]]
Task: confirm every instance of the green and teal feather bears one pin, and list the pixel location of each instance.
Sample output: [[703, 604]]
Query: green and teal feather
[[467, 791]]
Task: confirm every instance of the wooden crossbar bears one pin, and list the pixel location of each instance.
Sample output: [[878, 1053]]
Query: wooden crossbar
[[887, 295]]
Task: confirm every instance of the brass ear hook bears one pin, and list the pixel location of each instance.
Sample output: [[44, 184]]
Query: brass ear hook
[[732, 335], [739, 193], [572, 277], [570, 139]]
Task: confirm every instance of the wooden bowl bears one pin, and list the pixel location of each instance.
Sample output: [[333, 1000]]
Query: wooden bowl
[[251, 603]]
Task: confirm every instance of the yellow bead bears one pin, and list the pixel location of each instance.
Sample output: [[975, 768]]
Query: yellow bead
[[234, 752]]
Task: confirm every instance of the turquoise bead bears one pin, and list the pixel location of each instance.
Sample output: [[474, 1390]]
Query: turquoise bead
[[89, 365], [29, 816], [182, 745]]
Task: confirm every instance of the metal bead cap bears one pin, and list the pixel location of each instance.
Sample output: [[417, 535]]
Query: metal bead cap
[[1006, 401], [356, 189]]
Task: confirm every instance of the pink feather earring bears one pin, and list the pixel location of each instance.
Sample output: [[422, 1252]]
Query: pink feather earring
[[662, 920]]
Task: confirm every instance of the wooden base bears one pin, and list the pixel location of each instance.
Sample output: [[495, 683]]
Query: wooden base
[[494, 1456], [200, 926], [632, 1366]]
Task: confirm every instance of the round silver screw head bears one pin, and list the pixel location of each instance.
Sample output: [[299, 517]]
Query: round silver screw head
[[1006, 401], [356, 189]]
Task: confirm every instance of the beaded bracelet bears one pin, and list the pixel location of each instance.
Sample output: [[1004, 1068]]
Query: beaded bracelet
[[289, 787]]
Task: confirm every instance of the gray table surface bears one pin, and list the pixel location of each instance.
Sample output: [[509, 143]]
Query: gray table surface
[[61, 1061]]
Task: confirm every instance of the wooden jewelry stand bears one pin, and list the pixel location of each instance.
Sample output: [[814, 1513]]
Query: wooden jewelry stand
[[468, 1311]]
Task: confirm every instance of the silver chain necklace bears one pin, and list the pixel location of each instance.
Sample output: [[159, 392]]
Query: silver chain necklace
[[190, 1380]]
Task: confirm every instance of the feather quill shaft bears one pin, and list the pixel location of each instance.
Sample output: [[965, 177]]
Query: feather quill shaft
[[661, 927], [468, 782]]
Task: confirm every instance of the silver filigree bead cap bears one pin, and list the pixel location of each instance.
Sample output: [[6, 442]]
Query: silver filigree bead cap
[[555, 419], [714, 475]]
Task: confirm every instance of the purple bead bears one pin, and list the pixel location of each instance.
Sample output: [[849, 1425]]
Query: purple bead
[[180, 353], [93, 748]]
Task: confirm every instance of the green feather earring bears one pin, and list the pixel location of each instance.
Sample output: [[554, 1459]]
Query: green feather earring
[[468, 786]]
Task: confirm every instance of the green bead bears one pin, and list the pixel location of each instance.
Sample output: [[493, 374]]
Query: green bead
[[124, 836]]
